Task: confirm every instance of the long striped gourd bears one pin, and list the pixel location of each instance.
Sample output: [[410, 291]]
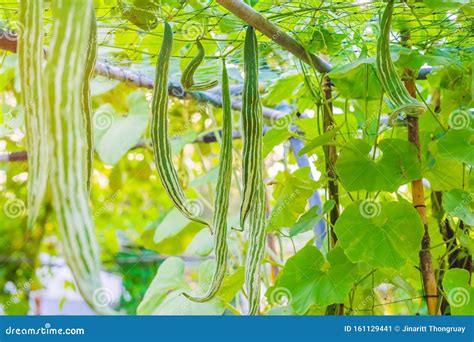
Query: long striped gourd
[[187, 79], [31, 62], [159, 131], [221, 204], [252, 125], [388, 77], [87, 102], [65, 73], [254, 189]]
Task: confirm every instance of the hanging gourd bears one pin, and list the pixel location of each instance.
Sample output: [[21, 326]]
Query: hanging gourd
[[396, 92], [253, 202], [221, 204], [159, 132], [65, 73], [187, 79], [31, 62]]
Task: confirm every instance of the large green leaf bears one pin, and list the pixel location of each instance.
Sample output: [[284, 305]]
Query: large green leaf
[[357, 79], [380, 234], [443, 174], [459, 293], [323, 139], [169, 277], [292, 193], [458, 144], [165, 294], [142, 13], [308, 279], [458, 203], [115, 135], [283, 88], [308, 220], [171, 234], [358, 171], [277, 134]]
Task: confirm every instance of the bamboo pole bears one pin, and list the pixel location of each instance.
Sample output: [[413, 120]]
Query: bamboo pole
[[418, 198]]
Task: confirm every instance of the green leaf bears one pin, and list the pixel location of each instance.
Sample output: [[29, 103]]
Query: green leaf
[[458, 203], [115, 136], [202, 244], [457, 144], [206, 178], [323, 139], [169, 277], [142, 13], [350, 79], [165, 294], [459, 293], [292, 193], [398, 165], [380, 234], [283, 88], [232, 285], [308, 220], [276, 136], [178, 143], [308, 279], [172, 235], [176, 304], [443, 174]]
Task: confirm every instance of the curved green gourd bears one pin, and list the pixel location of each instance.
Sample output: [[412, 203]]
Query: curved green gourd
[[31, 62], [253, 202], [388, 77], [221, 204], [252, 126], [87, 101], [64, 75], [187, 79], [159, 131]]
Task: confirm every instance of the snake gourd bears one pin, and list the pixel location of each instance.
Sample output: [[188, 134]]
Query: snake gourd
[[187, 79], [159, 132], [31, 62], [387, 75], [64, 76], [221, 204], [254, 200]]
